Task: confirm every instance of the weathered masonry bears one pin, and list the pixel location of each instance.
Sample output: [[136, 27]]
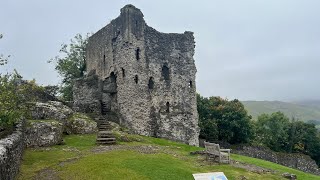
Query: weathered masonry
[[144, 78]]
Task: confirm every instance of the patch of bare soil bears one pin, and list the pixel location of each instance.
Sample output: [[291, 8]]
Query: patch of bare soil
[[47, 174], [69, 161], [145, 149], [252, 168]]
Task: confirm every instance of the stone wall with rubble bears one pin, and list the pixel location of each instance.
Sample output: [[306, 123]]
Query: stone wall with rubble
[[11, 150], [148, 77], [297, 161]]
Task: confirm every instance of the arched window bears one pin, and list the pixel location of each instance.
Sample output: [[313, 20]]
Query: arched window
[[165, 72], [138, 53], [151, 83], [167, 107], [136, 79], [113, 77]]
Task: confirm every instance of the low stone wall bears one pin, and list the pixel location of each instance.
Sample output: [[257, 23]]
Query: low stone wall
[[294, 160], [11, 150]]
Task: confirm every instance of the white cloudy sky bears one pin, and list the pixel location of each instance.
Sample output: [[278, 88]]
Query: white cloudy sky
[[245, 49]]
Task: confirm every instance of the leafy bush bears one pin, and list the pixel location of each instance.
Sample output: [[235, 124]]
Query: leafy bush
[[220, 119], [15, 97]]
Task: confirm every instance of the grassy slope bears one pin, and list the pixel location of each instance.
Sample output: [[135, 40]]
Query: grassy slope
[[129, 164], [302, 112]]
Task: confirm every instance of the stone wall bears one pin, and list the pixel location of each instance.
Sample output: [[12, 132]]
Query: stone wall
[[148, 78], [293, 160], [87, 95], [11, 150]]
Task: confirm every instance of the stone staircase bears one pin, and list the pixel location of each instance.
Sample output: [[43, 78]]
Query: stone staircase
[[105, 136]]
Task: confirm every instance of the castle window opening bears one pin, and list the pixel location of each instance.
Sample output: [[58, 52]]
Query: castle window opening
[[167, 107], [151, 83], [113, 77], [136, 79], [165, 72], [138, 53], [123, 72], [104, 59], [190, 84]]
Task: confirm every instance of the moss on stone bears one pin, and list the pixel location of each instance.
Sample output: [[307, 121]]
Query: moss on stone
[[29, 122], [80, 116]]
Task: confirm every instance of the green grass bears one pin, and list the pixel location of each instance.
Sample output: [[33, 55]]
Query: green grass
[[271, 165], [129, 164]]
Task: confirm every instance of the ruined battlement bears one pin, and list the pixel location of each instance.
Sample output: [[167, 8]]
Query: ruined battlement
[[145, 76]]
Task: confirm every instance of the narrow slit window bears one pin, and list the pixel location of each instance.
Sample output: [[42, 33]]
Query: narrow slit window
[[167, 107], [190, 84], [104, 60], [138, 53], [136, 79], [165, 72], [151, 83], [123, 72]]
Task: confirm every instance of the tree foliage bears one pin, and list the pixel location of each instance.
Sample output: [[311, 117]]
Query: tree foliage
[[3, 59], [278, 133], [71, 63], [224, 120], [272, 130]]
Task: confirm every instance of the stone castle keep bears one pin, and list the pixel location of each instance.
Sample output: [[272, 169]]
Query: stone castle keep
[[141, 78]]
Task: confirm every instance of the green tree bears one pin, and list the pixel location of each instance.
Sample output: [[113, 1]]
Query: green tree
[[3, 59], [305, 139], [224, 120], [272, 131], [71, 63]]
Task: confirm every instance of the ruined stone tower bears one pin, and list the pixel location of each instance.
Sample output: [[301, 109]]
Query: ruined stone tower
[[143, 77]]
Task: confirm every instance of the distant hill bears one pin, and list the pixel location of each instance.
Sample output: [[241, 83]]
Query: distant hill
[[303, 110]]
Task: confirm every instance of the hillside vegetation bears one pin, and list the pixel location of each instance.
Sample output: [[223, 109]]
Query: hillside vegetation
[[146, 158], [302, 111]]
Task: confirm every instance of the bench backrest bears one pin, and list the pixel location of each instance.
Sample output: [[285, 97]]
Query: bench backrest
[[212, 148]]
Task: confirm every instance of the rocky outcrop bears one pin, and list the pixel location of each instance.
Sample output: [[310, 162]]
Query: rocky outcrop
[[80, 124], [11, 150], [43, 133], [51, 110], [293, 160]]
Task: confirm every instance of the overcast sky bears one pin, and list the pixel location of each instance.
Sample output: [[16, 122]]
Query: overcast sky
[[245, 49]]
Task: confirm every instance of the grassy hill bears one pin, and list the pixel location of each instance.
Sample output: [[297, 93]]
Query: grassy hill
[[145, 158], [304, 111]]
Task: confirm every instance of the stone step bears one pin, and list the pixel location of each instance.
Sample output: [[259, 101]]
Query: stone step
[[105, 125], [104, 129], [106, 142], [106, 139], [105, 132]]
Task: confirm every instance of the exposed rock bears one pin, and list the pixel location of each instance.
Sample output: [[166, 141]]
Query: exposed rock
[[80, 124], [289, 176], [51, 110], [43, 133]]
